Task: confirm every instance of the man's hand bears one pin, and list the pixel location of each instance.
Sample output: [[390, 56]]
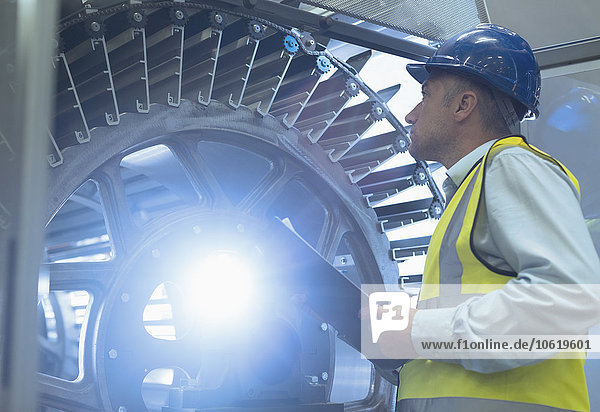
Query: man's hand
[[392, 344], [397, 344]]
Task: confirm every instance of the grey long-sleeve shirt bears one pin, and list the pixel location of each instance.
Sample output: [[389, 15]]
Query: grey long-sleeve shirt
[[530, 223]]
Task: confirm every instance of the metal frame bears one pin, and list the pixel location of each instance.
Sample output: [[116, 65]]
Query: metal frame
[[23, 120], [569, 53]]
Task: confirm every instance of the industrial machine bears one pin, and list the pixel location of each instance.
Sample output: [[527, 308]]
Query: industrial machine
[[219, 187], [192, 144]]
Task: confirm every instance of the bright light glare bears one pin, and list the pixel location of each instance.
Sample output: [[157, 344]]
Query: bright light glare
[[223, 288]]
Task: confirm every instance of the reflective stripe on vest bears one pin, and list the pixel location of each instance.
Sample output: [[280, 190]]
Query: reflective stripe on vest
[[453, 274]]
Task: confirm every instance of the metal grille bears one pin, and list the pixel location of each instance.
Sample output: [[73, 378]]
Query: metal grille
[[433, 20]]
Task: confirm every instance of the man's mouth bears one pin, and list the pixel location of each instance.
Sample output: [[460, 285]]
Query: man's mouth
[[411, 133]]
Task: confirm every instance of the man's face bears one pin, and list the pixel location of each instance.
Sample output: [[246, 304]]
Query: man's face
[[431, 121]]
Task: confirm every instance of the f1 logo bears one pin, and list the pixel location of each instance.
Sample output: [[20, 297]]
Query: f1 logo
[[389, 311]]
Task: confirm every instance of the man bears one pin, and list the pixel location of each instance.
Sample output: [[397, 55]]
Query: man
[[512, 218]]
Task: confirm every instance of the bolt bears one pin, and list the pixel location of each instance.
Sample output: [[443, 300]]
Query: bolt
[[122, 409], [95, 26], [179, 15], [240, 228], [218, 18], [422, 176], [138, 17], [256, 28], [197, 230], [312, 379], [155, 253], [402, 143], [324, 326], [378, 110], [326, 22], [353, 86], [125, 297], [113, 354], [343, 260], [324, 376]]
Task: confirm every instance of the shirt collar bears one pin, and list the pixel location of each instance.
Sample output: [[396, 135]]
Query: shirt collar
[[459, 171]]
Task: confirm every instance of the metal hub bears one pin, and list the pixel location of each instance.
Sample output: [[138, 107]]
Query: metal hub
[[127, 350]]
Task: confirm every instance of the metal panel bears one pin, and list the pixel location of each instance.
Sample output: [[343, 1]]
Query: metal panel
[[369, 153], [71, 121], [200, 64], [559, 32], [406, 248], [546, 23], [402, 214], [130, 70], [89, 66], [435, 20], [166, 76]]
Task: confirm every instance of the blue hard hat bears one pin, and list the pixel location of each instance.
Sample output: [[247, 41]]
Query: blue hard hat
[[494, 54]]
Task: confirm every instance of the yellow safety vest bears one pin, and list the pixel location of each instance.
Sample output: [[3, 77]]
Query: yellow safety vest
[[558, 383]]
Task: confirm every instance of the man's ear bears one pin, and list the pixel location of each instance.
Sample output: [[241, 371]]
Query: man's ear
[[466, 103]]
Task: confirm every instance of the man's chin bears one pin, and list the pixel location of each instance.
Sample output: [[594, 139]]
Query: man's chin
[[414, 152]]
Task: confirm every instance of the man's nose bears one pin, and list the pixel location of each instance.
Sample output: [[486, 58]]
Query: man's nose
[[412, 117]]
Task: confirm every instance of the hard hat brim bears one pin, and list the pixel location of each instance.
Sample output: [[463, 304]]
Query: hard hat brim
[[418, 71]]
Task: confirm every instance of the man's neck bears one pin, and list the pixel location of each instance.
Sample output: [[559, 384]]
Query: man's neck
[[465, 144], [461, 168]]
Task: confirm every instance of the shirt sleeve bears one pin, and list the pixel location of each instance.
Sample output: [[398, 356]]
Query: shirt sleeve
[[536, 227]]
